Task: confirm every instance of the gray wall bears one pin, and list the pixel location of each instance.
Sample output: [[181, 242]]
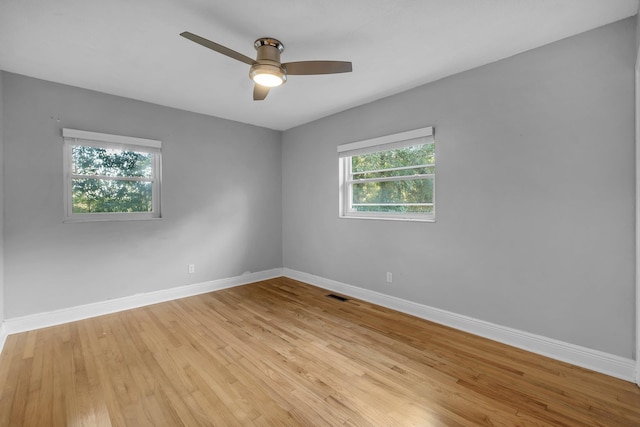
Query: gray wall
[[534, 187], [637, 31], [1, 207], [222, 203], [637, 135]]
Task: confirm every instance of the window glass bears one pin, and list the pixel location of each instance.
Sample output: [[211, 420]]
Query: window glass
[[108, 180], [111, 162], [393, 181]]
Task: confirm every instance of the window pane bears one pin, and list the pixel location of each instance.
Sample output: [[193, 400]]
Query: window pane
[[393, 196], [102, 195], [422, 154], [394, 208], [110, 162]]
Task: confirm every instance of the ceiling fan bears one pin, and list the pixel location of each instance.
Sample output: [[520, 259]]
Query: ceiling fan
[[266, 70]]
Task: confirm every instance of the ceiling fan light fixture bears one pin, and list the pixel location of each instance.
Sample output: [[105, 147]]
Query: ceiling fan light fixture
[[267, 75], [267, 70]]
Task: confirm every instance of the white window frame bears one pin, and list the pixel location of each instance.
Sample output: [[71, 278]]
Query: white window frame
[[389, 142], [73, 137]]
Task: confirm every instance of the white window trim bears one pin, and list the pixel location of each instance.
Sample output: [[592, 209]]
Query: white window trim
[[387, 142], [81, 137]]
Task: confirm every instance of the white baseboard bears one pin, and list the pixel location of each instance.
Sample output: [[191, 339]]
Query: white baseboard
[[3, 335], [594, 360], [43, 320]]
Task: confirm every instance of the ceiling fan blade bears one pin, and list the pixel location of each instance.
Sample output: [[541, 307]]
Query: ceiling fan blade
[[217, 47], [317, 67], [260, 92]]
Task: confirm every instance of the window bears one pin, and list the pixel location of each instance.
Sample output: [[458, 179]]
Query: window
[[110, 177], [391, 177]]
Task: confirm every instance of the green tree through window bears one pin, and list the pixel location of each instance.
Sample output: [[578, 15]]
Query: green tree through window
[[110, 177], [399, 180], [100, 181], [389, 177]]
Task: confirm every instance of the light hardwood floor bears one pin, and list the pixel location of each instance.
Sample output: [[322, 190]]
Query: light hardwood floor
[[282, 353]]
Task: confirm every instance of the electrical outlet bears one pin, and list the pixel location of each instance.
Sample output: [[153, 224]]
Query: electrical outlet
[[192, 268], [389, 277]]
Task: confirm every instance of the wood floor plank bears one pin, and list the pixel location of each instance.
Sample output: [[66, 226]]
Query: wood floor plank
[[281, 353]]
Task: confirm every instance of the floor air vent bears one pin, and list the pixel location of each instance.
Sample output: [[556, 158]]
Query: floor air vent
[[338, 297]]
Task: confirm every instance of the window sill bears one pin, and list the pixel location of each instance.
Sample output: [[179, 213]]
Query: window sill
[[389, 218], [107, 219]]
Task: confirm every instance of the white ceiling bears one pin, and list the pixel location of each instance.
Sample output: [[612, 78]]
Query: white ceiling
[[132, 48]]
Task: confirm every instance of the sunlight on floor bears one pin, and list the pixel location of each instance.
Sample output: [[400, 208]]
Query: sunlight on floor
[[412, 415]]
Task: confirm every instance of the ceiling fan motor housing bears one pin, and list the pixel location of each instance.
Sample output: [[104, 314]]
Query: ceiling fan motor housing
[[268, 59]]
